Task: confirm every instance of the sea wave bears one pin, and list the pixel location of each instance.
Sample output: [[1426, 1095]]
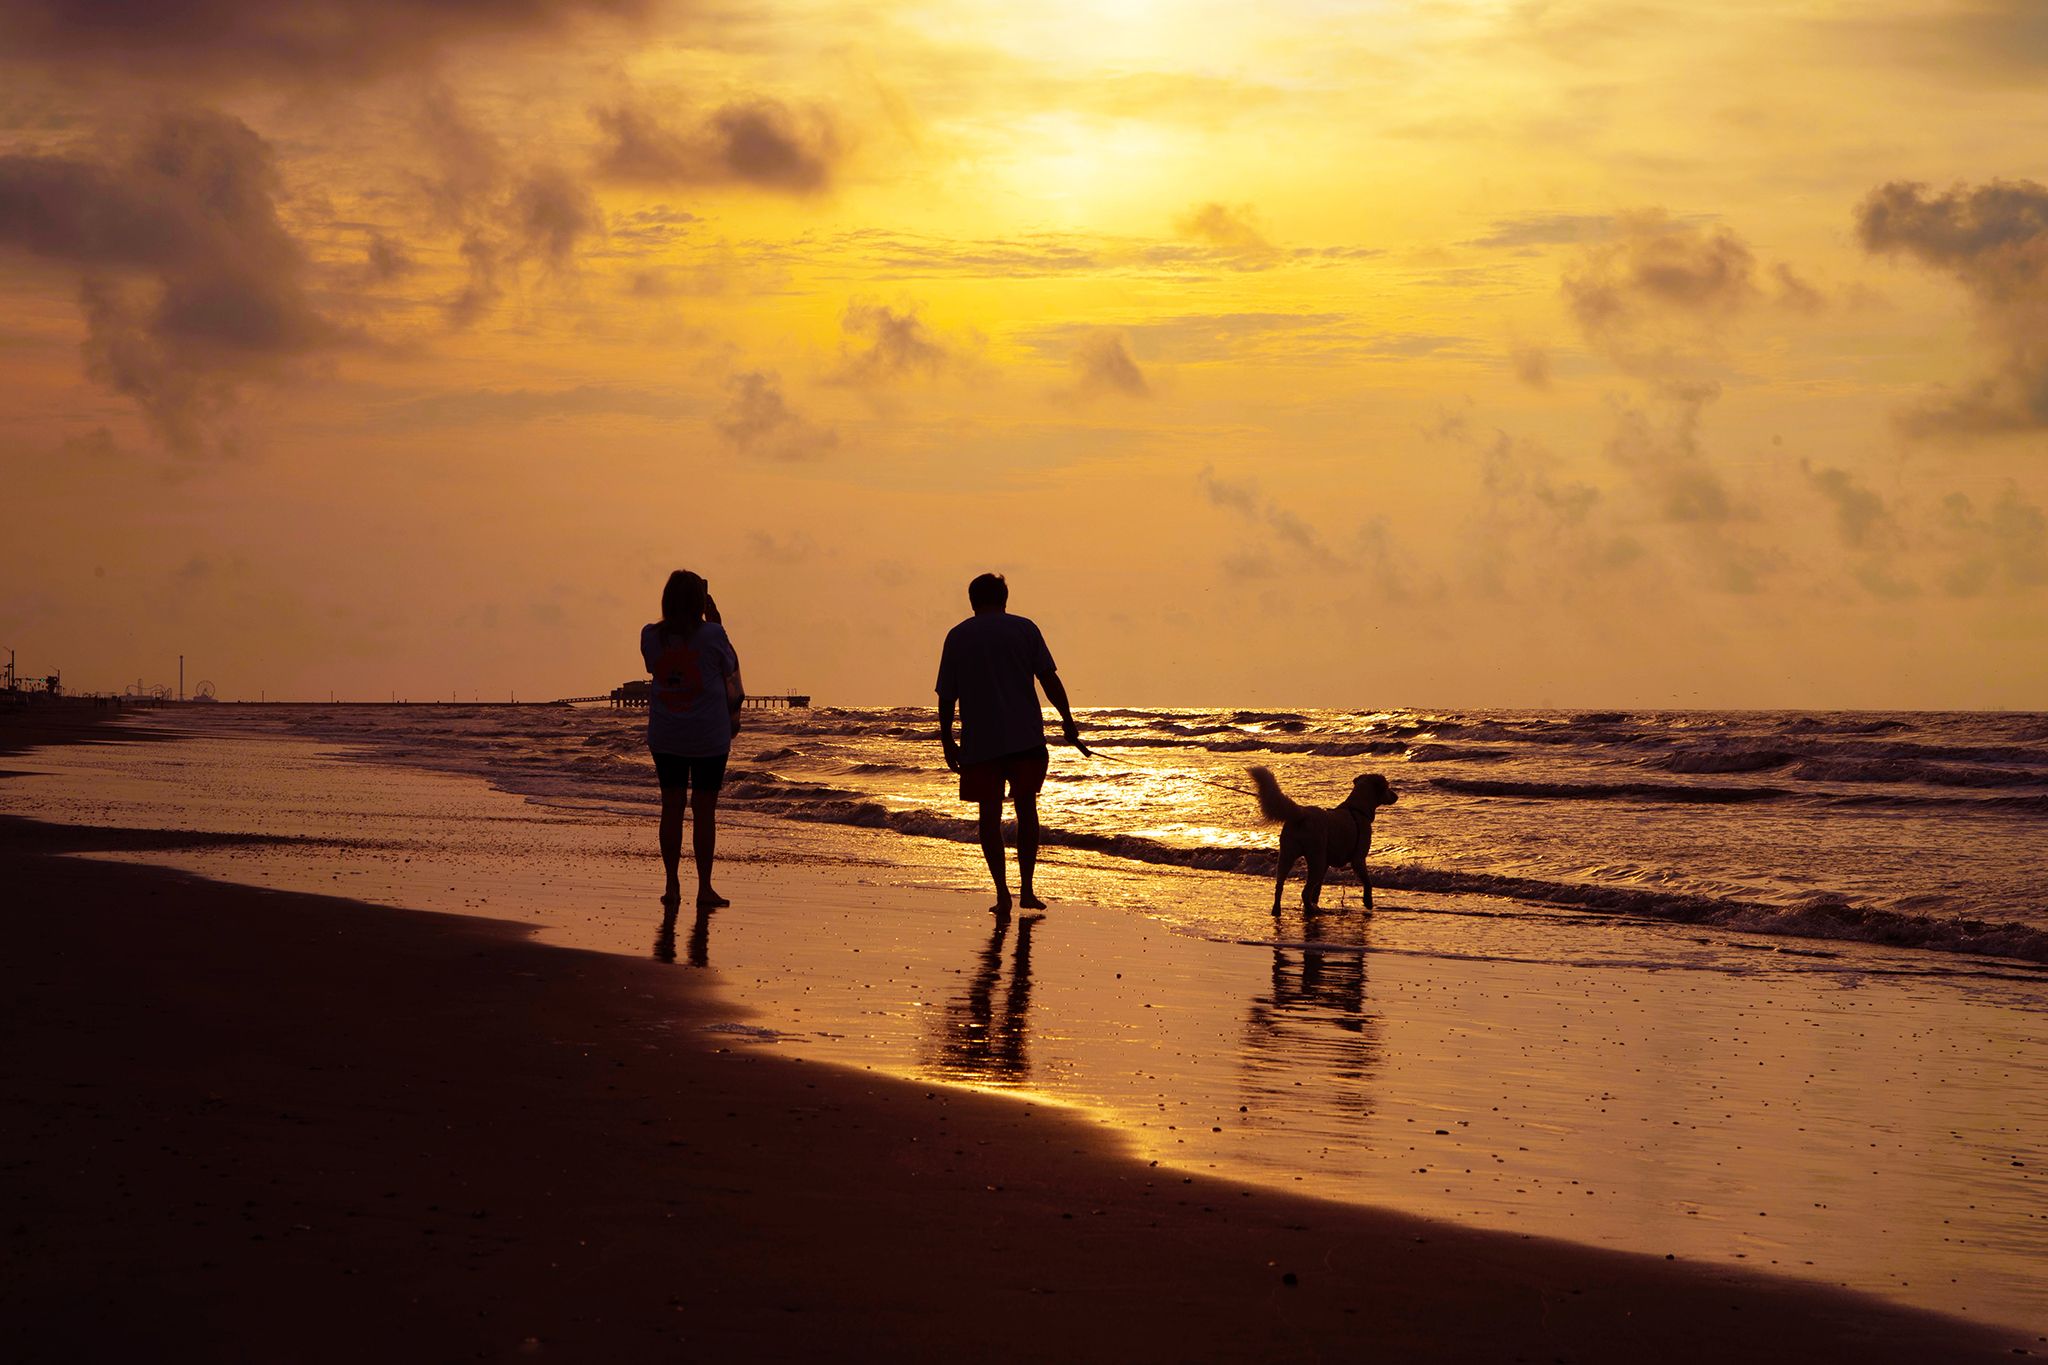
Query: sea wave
[[1596, 791], [1820, 916], [1915, 770]]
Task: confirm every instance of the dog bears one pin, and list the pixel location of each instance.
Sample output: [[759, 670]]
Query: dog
[[1340, 836]]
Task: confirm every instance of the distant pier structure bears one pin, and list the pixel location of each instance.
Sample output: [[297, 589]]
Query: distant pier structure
[[632, 696]]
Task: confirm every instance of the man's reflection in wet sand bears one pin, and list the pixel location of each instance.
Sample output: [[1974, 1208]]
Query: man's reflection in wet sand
[[700, 938], [972, 1038], [1311, 1040]]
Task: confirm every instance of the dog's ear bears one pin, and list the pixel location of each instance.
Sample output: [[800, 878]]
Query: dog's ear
[[1386, 788]]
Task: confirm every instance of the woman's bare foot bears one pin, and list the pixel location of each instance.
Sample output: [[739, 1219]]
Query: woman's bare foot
[[1030, 901], [673, 896], [707, 899]]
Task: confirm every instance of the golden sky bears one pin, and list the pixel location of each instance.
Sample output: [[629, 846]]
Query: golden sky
[[1480, 352]]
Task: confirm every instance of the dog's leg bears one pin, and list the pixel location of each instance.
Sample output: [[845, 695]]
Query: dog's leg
[[1364, 883], [1318, 864], [1289, 851]]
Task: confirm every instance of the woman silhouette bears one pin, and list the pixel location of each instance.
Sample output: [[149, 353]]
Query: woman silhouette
[[693, 711]]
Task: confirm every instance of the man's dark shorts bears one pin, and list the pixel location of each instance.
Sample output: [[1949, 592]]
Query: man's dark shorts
[[679, 774], [1025, 773]]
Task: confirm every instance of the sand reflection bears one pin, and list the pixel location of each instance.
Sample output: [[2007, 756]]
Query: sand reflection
[[973, 1038], [698, 952], [1313, 1020]]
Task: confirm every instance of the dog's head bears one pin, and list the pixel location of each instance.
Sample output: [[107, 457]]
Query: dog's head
[[1370, 789]]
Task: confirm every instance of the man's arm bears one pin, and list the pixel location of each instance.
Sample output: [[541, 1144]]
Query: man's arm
[[946, 741], [1056, 693]]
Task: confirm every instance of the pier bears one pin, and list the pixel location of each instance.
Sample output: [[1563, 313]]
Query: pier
[[632, 696]]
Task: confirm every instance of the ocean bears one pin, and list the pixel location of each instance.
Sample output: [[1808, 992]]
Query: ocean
[[1802, 831]]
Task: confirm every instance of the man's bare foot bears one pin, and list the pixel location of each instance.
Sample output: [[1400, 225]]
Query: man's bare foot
[[707, 899], [1030, 901], [1002, 905]]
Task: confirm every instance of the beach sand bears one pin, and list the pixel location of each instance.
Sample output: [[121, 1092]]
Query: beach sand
[[250, 1123]]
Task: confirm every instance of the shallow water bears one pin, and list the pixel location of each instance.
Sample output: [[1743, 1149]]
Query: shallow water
[[1919, 830]]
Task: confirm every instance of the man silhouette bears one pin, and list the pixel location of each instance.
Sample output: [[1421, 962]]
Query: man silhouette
[[986, 670]]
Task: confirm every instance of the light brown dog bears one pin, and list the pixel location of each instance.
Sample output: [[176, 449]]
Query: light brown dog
[[1339, 836]]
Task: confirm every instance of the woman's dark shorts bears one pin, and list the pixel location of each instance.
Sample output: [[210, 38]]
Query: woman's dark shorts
[[679, 774]]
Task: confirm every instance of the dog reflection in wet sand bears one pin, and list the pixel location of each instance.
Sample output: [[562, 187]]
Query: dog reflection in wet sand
[[1339, 836]]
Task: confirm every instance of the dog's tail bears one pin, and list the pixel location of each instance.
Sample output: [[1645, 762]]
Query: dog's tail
[[1274, 804]]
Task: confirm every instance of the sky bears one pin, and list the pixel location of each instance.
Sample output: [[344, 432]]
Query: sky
[[1452, 354]]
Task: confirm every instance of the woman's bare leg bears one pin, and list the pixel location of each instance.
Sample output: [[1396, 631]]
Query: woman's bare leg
[[673, 799], [704, 843]]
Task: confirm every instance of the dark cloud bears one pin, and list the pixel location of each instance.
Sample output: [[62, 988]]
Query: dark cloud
[[189, 282], [1671, 469], [760, 143], [1657, 266], [1794, 292], [1102, 365], [1244, 498], [503, 219], [890, 345], [550, 212], [197, 41], [1993, 240], [385, 259], [758, 420], [2002, 548], [1532, 365], [1862, 519]]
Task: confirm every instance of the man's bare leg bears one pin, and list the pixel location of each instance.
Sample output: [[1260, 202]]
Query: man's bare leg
[[1027, 849], [992, 850], [673, 799], [704, 844]]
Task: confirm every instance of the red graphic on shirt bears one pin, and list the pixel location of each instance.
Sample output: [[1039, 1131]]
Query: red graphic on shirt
[[678, 680]]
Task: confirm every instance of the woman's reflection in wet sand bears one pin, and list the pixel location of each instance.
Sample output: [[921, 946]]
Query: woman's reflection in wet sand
[[1311, 1038], [971, 1039], [700, 937]]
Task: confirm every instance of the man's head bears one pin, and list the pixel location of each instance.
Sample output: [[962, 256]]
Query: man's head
[[988, 593]]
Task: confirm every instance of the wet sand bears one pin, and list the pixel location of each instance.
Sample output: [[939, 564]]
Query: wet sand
[[253, 1124]]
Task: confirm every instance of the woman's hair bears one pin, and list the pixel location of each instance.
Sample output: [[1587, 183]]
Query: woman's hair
[[682, 603]]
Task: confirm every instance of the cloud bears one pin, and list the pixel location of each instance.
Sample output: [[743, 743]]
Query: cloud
[[893, 344], [1671, 470], [1547, 229], [206, 41], [1244, 498], [385, 259], [1532, 364], [760, 143], [902, 255], [1278, 338], [549, 213], [189, 282], [1861, 518], [1659, 267], [758, 420], [1231, 229], [502, 219], [2005, 547], [473, 406], [1102, 364], [1993, 240]]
